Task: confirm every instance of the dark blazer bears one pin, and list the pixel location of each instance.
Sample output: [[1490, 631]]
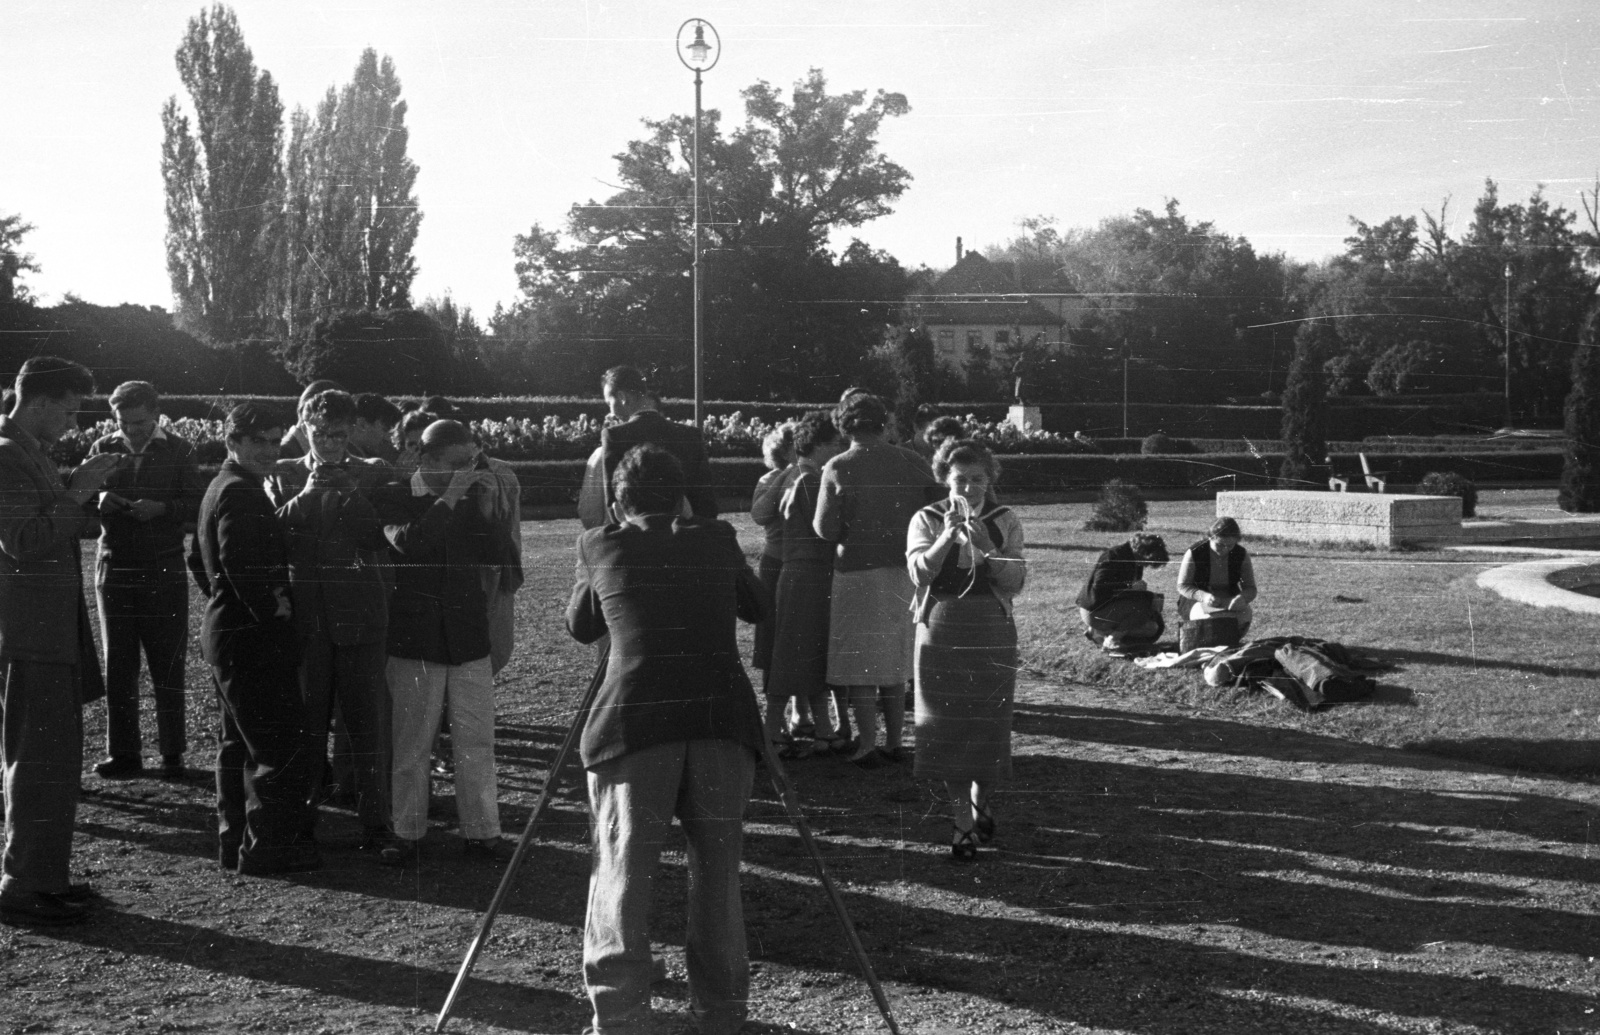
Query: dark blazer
[[1113, 573], [167, 473], [439, 611], [682, 441], [240, 554], [669, 594], [41, 580], [338, 554]]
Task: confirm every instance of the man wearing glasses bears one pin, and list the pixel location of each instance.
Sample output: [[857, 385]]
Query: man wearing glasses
[[148, 503], [333, 509]]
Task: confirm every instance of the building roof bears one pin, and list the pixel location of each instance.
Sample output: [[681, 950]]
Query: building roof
[[1023, 312], [975, 275]]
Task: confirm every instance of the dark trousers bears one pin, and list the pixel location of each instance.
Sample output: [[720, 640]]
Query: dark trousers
[[42, 755], [148, 611], [263, 769], [353, 676]]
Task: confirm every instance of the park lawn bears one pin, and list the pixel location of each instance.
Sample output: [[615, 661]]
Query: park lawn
[[1477, 677]]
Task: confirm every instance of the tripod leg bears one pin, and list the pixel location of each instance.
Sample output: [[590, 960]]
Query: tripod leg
[[523, 844], [791, 805]]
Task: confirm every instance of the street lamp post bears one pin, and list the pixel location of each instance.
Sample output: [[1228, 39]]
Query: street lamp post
[[698, 54], [1507, 328]]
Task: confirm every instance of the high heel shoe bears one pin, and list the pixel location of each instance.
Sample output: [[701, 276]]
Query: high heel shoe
[[982, 823], [964, 846]]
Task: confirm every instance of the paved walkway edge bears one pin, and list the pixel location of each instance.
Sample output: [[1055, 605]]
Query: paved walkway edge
[[1528, 582]]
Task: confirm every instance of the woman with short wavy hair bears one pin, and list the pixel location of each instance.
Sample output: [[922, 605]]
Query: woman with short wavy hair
[[964, 554]]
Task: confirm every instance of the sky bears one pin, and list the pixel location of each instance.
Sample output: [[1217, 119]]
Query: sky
[[1276, 121]]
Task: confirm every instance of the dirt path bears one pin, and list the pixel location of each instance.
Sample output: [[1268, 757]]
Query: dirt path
[[1155, 872]]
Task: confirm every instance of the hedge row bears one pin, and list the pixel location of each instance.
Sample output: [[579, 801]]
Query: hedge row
[[555, 482]]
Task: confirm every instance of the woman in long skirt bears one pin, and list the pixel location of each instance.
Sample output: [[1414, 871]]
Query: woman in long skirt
[[799, 658], [965, 558]]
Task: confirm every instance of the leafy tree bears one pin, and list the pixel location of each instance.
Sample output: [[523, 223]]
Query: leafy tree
[[1305, 416], [395, 352], [784, 315], [903, 371], [13, 260], [350, 214], [1347, 374], [1183, 294], [222, 174], [1580, 474], [1415, 367], [1552, 282], [464, 338]]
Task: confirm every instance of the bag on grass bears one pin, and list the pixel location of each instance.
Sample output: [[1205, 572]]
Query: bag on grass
[[1208, 632], [1324, 678]]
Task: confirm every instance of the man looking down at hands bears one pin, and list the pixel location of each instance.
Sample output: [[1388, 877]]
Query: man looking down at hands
[[46, 649]]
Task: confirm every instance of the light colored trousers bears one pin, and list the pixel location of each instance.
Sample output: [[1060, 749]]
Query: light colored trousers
[[417, 689], [706, 785]]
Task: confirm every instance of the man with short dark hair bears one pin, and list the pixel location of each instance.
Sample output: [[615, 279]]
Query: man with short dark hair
[[632, 402], [372, 435], [144, 599], [248, 638], [673, 731], [439, 641], [46, 648], [334, 507]]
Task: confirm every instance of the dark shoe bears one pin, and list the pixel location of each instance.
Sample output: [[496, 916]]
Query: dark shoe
[[894, 756], [871, 760], [964, 846], [115, 768], [489, 849], [375, 841], [228, 857], [172, 767], [40, 909], [298, 859], [983, 824], [398, 852], [80, 894]]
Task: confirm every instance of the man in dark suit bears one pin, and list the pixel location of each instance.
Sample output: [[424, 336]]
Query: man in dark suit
[[674, 730], [248, 638], [633, 402], [46, 648], [333, 507], [144, 598]]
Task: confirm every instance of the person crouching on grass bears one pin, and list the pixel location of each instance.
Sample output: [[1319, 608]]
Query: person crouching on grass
[[1115, 604], [439, 642], [673, 731]]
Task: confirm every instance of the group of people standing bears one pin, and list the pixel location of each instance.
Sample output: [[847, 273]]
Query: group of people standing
[[889, 570], [358, 585]]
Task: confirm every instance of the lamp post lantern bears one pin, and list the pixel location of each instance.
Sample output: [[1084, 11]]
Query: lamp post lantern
[[699, 47], [1507, 329]]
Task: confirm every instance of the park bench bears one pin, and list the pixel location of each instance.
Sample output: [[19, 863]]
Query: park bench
[[1377, 481]]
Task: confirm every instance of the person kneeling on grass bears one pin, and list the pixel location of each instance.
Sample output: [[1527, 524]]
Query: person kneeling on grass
[[1216, 578], [1116, 606]]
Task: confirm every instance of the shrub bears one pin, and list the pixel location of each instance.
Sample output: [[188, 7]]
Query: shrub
[[1120, 508], [1159, 443], [1449, 483], [1305, 408], [1580, 473]]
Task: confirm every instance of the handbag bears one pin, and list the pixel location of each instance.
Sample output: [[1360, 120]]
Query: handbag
[[1208, 632]]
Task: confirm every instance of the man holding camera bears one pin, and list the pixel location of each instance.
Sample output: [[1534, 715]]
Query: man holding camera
[[673, 731], [46, 648], [333, 508], [148, 502]]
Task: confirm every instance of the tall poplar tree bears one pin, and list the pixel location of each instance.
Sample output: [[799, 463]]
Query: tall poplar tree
[[222, 172], [1305, 408], [350, 214]]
